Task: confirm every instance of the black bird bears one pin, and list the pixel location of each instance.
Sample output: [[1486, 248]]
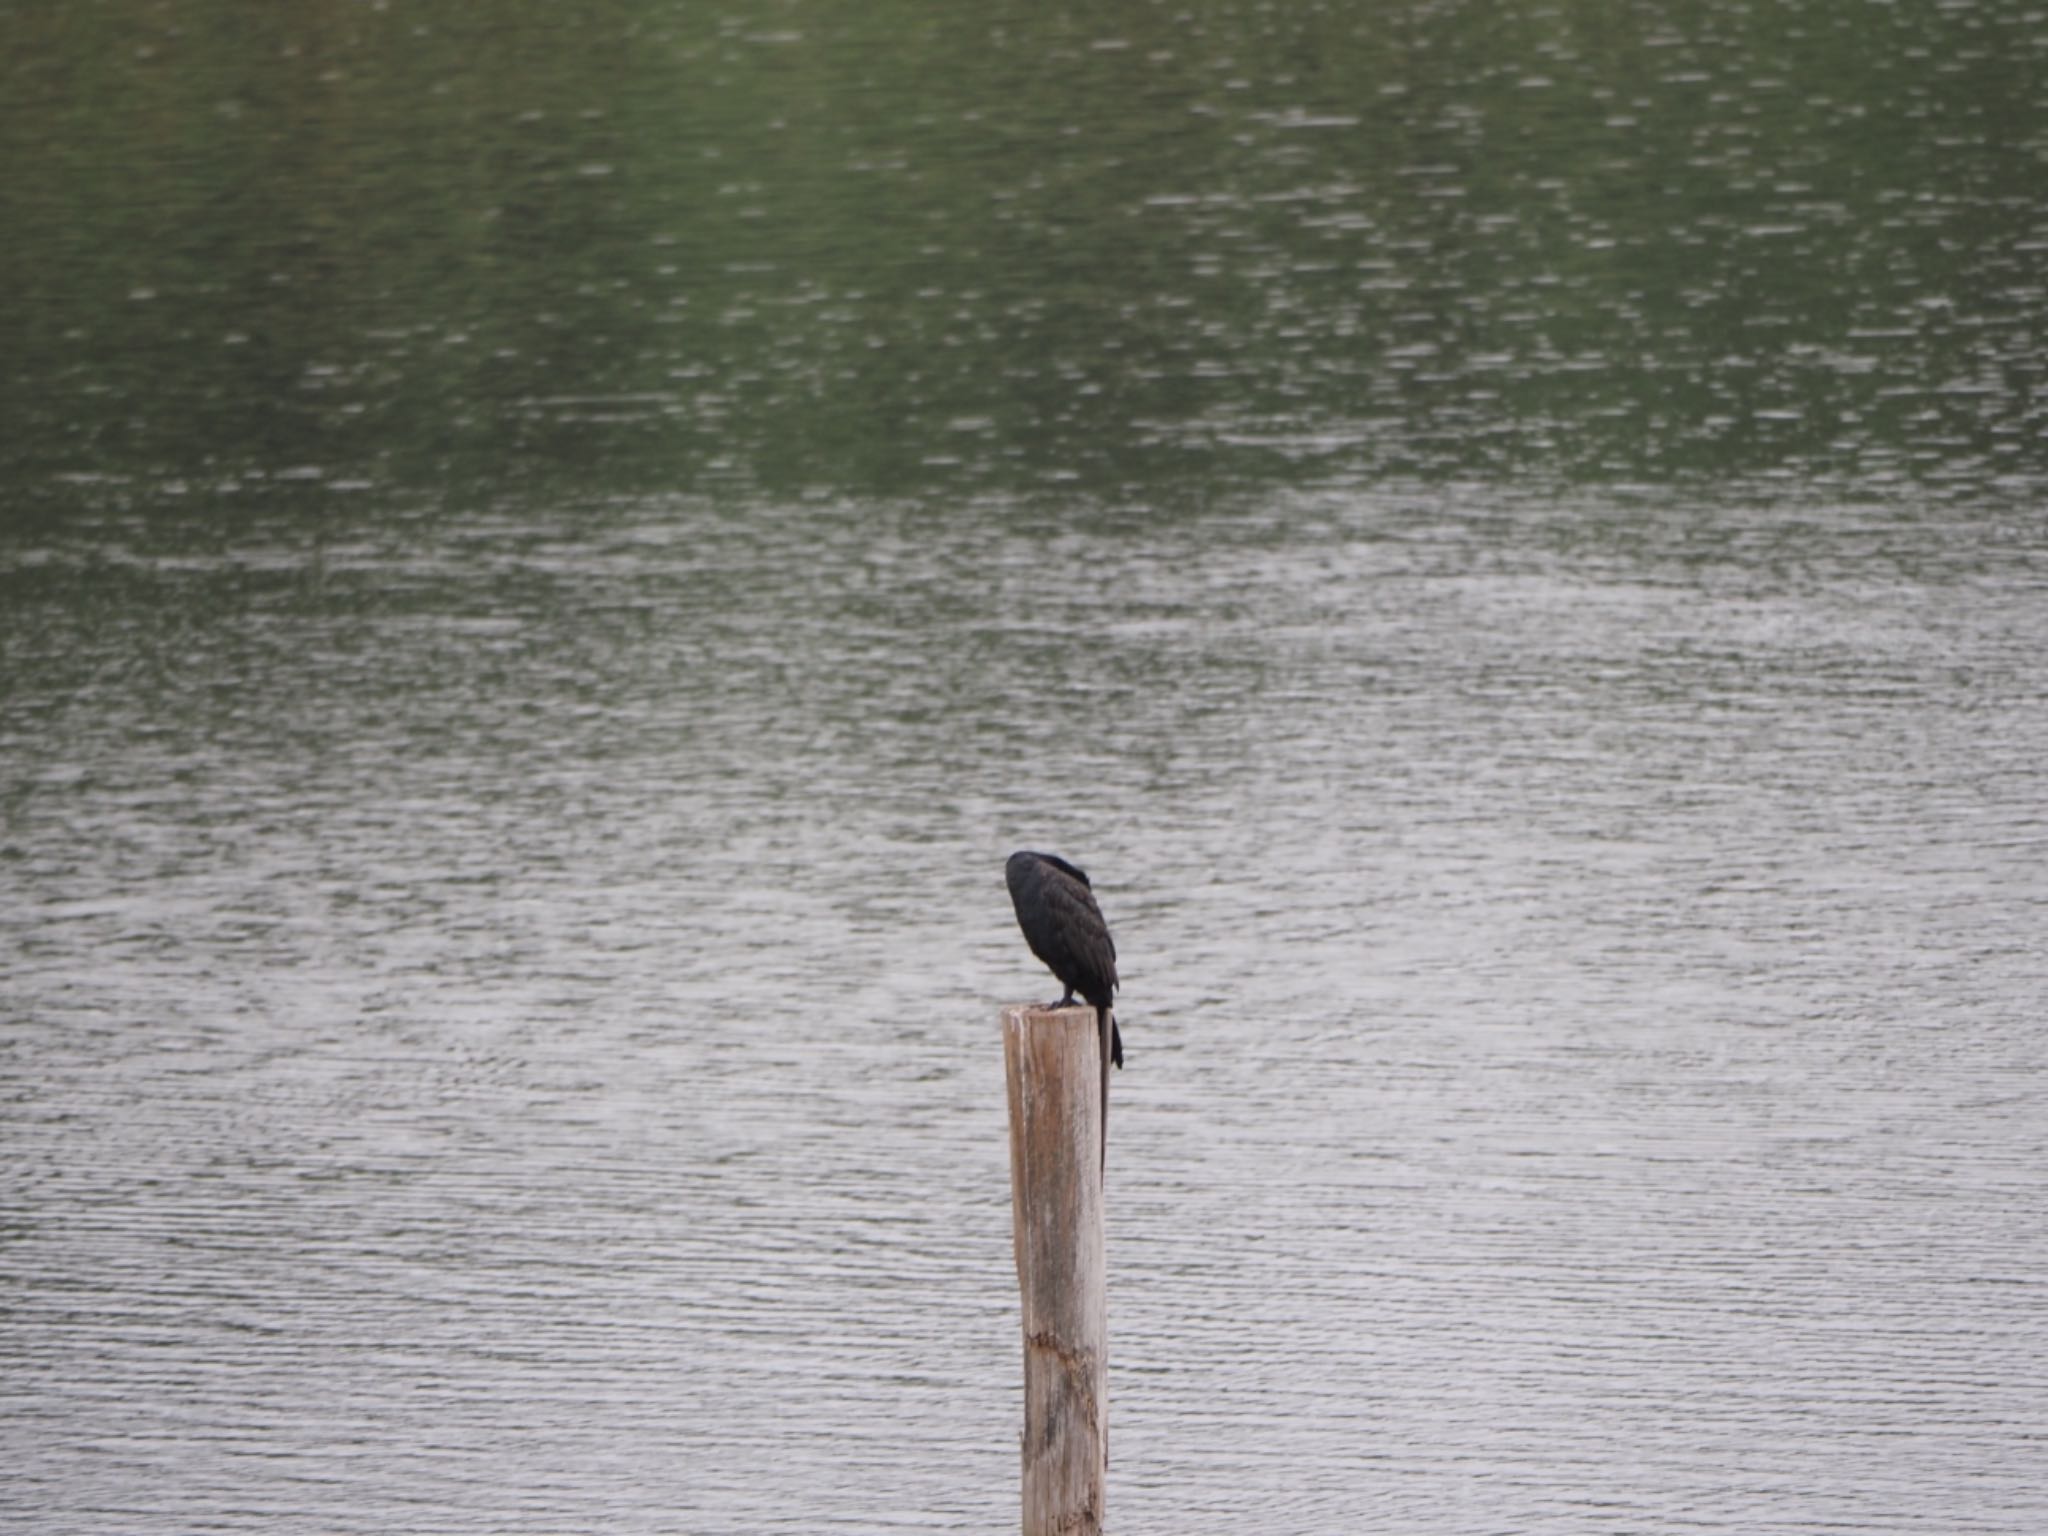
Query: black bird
[[1064, 927]]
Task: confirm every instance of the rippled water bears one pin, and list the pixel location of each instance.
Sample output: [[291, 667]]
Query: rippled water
[[500, 1014], [544, 566], [910, 252]]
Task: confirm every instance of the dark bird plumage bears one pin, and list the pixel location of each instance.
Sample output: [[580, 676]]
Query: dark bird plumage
[[1064, 927]]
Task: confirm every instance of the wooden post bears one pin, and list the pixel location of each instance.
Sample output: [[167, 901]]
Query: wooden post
[[1050, 1058]]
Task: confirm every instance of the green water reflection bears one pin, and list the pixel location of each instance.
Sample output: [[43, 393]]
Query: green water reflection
[[932, 250]]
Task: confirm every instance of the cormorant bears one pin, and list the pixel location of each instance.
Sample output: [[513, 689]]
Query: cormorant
[[1064, 927]]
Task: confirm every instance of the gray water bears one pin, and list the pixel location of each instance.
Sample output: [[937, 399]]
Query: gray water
[[501, 1020], [544, 567]]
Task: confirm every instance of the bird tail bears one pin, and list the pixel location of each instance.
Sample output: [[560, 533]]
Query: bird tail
[[1112, 1050]]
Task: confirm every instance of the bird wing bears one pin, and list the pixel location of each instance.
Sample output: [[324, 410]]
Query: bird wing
[[1087, 957], [1062, 923]]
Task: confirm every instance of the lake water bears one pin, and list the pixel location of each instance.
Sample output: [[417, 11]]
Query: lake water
[[542, 576]]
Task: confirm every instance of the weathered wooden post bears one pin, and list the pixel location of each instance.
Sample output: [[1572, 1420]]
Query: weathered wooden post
[[1051, 1061]]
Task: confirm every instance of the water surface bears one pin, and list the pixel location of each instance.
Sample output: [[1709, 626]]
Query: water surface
[[544, 568]]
